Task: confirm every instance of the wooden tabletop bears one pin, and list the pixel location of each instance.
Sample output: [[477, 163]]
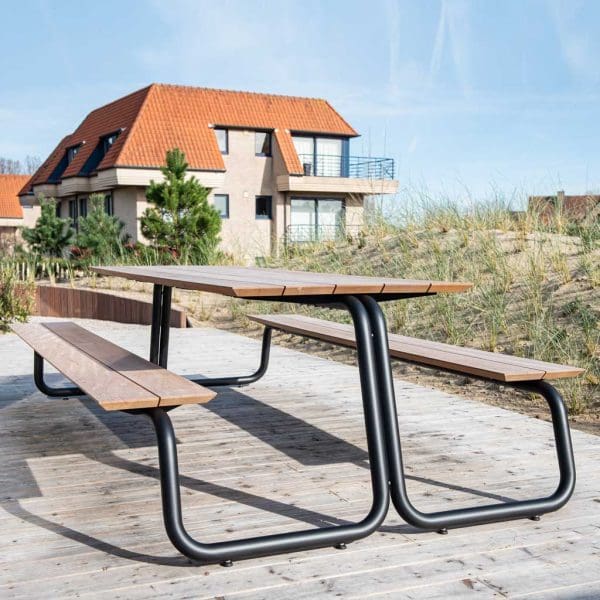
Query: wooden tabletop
[[254, 282]]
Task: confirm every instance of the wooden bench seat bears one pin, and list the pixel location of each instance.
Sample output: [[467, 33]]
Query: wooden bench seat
[[116, 378], [468, 361]]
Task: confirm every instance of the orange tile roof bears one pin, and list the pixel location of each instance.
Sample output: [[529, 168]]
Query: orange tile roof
[[10, 185], [159, 117]]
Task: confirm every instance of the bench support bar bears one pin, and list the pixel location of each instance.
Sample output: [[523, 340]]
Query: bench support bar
[[468, 516], [243, 379], [222, 552], [38, 377]]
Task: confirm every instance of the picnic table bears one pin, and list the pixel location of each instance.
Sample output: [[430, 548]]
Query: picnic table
[[360, 296], [152, 390]]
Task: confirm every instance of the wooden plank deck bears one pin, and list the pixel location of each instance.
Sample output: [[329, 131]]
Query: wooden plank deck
[[81, 510]]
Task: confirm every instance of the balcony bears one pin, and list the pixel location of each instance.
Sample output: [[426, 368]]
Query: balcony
[[341, 174], [356, 167], [303, 234]]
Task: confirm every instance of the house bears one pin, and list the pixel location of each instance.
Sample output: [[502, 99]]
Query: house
[[576, 209], [279, 168], [12, 214]]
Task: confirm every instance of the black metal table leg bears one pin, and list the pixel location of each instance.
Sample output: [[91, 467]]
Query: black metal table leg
[[165, 326], [159, 343], [161, 323], [157, 293], [298, 540], [444, 520]]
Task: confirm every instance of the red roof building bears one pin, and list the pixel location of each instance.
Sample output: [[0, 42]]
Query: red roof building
[[12, 214], [256, 152], [10, 186]]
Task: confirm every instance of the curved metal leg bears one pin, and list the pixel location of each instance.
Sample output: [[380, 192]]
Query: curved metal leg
[[243, 379], [159, 343], [38, 377], [299, 540], [443, 520]]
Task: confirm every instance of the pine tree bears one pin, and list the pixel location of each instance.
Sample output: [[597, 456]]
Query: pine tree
[[100, 233], [181, 221], [51, 234]]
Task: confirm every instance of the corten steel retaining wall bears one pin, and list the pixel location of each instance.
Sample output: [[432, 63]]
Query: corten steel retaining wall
[[56, 301]]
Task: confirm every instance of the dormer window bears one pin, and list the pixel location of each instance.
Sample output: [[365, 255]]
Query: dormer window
[[262, 143], [72, 153], [222, 140], [108, 141], [104, 144]]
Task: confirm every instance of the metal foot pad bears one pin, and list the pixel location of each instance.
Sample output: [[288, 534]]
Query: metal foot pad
[[227, 563], [340, 546], [443, 531], [535, 518]]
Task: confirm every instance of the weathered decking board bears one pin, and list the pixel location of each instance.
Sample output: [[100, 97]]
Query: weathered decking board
[[82, 511]]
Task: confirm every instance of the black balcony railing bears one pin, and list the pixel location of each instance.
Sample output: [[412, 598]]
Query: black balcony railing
[[295, 234], [358, 167]]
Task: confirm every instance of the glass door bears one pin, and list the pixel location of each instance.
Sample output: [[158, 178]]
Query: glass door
[[303, 220], [313, 219], [305, 147], [329, 157], [330, 215]]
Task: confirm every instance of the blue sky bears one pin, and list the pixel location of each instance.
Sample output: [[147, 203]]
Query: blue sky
[[467, 96]]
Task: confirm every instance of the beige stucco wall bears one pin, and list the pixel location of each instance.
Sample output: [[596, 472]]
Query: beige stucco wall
[[31, 214], [354, 210], [10, 229], [248, 176], [129, 204]]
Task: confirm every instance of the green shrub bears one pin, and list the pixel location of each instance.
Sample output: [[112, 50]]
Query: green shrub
[[180, 222], [51, 234], [100, 234], [16, 299]]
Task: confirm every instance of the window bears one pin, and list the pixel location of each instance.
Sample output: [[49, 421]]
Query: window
[[82, 207], [263, 207], [102, 147], [221, 204], [58, 205], [305, 147], [322, 156], [109, 207], [222, 140], [314, 219], [71, 154], [262, 143], [108, 141], [73, 212]]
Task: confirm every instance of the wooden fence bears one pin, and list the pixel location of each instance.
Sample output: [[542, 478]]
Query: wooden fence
[[57, 301]]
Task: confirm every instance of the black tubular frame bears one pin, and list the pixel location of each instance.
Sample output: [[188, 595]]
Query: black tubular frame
[[383, 442], [159, 343], [54, 392], [444, 520], [339, 535], [243, 379]]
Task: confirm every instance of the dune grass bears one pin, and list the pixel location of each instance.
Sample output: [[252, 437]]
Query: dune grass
[[536, 283]]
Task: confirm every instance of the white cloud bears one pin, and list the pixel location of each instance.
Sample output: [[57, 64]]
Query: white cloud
[[578, 40], [412, 145], [453, 36], [392, 10]]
